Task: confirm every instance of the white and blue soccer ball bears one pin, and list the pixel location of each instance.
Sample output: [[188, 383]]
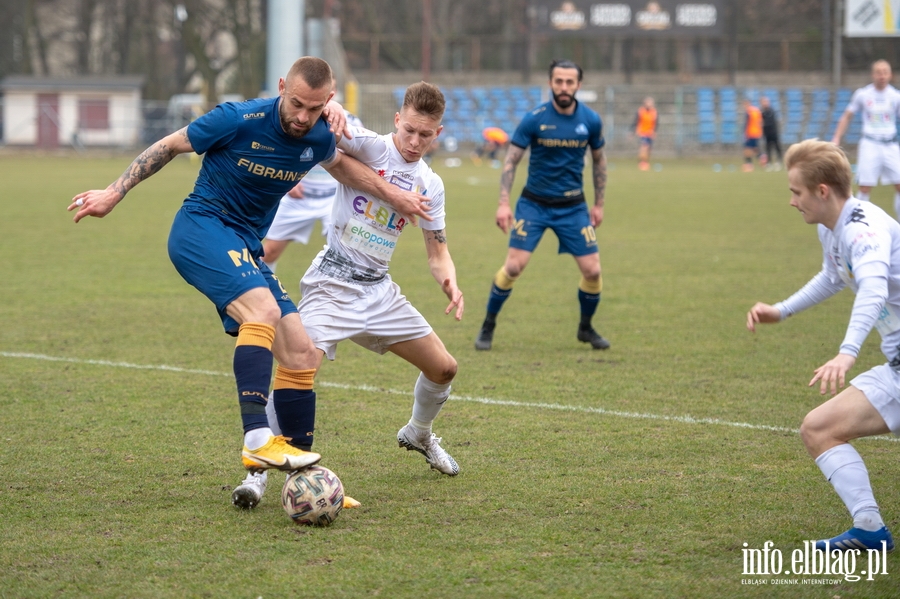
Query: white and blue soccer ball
[[313, 496]]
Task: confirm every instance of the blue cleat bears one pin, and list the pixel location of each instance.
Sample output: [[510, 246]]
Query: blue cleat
[[857, 538]]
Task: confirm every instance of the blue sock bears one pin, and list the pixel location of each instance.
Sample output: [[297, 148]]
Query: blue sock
[[253, 373], [496, 299], [296, 411], [589, 303]]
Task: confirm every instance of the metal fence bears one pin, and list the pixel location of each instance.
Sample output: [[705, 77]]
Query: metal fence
[[693, 120]]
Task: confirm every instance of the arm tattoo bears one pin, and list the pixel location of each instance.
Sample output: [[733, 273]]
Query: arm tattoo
[[513, 156], [599, 176], [438, 235], [149, 162]]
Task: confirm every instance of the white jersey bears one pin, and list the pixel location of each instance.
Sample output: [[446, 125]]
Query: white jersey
[[364, 230], [296, 217], [318, 183], [879, 111], [862, 253]]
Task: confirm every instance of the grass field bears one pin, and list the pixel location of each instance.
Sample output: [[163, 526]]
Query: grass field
[[637, 472]]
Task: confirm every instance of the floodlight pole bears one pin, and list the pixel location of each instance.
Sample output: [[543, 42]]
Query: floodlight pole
[[837, 43], [426, 40], [284, 39]]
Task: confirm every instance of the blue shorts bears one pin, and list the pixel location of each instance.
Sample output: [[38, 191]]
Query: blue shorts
[[215, 259], [571, 224], [751, 142], [646, 141]]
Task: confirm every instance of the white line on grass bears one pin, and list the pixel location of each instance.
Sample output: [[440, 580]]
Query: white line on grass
[[455, 397]]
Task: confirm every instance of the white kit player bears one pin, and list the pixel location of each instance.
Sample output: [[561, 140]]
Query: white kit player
[[878, 154], [309, 201], [348, 293], [861, 250]]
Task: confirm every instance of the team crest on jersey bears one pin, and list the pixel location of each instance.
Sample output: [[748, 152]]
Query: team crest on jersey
[[581, 129], [307, 154]]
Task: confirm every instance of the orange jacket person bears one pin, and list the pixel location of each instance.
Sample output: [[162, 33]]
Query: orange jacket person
[[752, 134], [645, 124]]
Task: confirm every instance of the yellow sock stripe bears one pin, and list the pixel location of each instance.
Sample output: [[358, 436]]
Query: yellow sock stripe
[[294, 379], [591, 287], [255, 333], [503, 280]]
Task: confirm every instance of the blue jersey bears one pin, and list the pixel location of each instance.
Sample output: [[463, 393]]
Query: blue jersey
[[250, 163], [558, 143]]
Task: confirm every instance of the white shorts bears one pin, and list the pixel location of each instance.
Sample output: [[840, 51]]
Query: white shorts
[[877, 160], [295, 218], [881, 386], [373, 316]]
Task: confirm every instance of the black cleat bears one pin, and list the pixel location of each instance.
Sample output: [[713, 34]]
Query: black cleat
[[485, 337], [591, 336]]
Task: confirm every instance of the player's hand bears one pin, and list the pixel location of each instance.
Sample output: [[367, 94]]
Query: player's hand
[[762, 313], [456, 298], [337, 120], [96, 202], [833, 373], [409, 204], [596, 215], [504, 218], [296, 191]]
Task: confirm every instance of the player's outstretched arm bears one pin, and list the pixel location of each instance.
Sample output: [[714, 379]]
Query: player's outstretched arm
[[841, 127], [443, 270], [352, 173], [100, 202], [504, 218], [762, 313], [598, 159], [833, 373]]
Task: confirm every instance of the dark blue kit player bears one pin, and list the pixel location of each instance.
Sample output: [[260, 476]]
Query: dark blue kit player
[[559, 132], [254, 153]]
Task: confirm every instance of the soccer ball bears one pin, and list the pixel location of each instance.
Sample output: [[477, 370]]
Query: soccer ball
[[313, 496]]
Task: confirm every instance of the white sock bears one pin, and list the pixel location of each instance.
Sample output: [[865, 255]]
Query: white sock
[[272, 265], [272, 416], [257, 437], [863, 195], [430, 398], [844, 468]]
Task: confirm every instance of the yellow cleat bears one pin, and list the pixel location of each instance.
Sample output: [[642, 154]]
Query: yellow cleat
[[278, 454], [350, 503]]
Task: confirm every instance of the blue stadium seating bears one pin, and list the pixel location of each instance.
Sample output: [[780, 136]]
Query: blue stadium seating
[[706, 115], [793, 116], [817, 121], [729, 130]]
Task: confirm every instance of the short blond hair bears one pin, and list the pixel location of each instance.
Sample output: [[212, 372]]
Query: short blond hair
[[821, 162]]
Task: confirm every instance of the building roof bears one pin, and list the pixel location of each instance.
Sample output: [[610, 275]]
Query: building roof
[[95, 83]]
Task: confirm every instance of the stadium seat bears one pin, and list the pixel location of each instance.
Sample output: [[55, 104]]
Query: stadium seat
[[729, 128], [706, 133], [398, 94], [793, 116]]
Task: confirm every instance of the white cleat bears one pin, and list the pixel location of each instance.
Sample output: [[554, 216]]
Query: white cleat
[[429, 446], [248, 494]]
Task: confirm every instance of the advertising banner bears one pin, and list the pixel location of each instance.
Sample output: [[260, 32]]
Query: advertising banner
[[664, 18]]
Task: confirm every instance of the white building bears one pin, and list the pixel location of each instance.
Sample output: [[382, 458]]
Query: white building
[[49, 112]]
